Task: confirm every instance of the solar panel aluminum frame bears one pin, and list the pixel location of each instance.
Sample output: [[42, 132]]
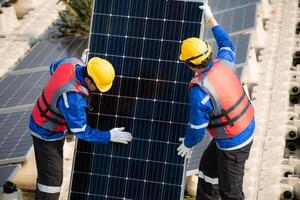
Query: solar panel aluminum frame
[[17, 159], [76, 140]]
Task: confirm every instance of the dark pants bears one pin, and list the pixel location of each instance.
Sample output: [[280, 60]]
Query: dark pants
[[221, 173], [49, 163]]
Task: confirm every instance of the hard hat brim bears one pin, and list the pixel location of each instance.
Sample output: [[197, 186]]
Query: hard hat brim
[[104, 88]]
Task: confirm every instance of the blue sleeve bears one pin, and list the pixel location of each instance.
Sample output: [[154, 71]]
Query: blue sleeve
[[200, 107], [72, 106], [226, 49]]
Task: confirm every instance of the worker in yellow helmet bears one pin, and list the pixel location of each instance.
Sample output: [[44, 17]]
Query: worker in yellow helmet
[[60, 108], [219, 104]]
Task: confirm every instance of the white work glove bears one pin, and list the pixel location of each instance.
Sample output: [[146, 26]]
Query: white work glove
[[207, 11], [183, 150], [120, 136]]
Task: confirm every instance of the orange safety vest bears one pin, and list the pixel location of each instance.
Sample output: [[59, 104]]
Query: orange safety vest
[[45, 113], [233, 110]]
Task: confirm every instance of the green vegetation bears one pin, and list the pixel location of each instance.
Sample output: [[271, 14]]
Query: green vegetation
[[76, 18]]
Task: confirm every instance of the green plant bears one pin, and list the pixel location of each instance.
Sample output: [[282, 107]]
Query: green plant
[[76, 18]]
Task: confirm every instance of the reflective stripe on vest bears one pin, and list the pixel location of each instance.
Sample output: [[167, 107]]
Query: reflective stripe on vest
[[233, 110], [45, 112]]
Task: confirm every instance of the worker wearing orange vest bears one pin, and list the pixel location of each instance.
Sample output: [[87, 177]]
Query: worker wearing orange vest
[[219, 104], [61, 108]]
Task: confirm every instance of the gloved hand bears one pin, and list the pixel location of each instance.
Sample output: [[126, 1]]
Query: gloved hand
[[183, 150], [120, 136], [207, 11]]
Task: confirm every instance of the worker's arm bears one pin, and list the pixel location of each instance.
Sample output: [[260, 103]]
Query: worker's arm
[[200, 106], [226, 48], [72, 106]]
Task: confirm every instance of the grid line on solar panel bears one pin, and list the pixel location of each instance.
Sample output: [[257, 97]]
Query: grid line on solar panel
[[149, 18]]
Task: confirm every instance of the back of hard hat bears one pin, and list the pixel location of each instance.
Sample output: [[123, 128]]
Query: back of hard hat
[[193, 47], [102, 73]]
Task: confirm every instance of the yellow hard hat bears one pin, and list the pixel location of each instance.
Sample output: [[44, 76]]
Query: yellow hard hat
[[194, 50], [102, 72]]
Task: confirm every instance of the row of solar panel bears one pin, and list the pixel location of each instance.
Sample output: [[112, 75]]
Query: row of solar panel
[[18, 90]]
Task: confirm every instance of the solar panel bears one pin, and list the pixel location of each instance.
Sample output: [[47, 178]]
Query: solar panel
[[15, 138], [149, 97], [7, 173], [22, 89], [45, 52], [198, 150], [236, 20], [221, 5]]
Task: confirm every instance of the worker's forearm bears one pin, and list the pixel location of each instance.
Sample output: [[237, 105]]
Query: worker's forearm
[[222, 38], [212, 22], [94, 135]]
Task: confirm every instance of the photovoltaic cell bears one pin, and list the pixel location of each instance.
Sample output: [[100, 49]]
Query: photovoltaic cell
[[22, 89], [7, 172], [15, 138], [45, 52], [149, 97]]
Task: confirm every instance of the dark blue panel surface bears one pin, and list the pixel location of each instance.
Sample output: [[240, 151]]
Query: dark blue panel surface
[[144, 98]]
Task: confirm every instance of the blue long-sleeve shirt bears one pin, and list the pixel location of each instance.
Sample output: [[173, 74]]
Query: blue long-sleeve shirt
[[72, 107], [201, 105]]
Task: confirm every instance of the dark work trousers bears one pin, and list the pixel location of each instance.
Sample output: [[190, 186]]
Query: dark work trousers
[[49, 163], [221, 173]]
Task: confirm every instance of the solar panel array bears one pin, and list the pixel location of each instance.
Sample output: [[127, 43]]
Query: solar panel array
[[149, 97], [45, 52], [20, 88], [7, 172]]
